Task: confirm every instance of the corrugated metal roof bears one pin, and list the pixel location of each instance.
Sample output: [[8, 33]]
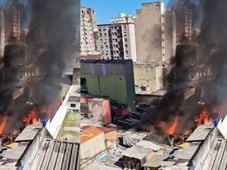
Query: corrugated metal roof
[[14, 153], [217, 156], [150, 145], [187, 152], [137, 152], [156, 161], [58, 155], [200, 133], [29, 133]]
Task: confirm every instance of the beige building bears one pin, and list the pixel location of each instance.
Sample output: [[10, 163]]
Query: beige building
[[148, 78], [154, 29], [117, 40], [88, 32]]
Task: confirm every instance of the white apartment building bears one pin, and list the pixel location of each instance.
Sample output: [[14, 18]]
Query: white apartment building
[[117, 40]]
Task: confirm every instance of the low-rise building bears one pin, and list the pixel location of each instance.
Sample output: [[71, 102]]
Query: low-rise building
[[110, 78], [92, 142], [148, 78]]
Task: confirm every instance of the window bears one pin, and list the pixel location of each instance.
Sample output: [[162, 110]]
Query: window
[[143, 88], [73, 105]]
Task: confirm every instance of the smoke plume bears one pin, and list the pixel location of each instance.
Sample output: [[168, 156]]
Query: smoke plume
[[209, 17], [52, 49]]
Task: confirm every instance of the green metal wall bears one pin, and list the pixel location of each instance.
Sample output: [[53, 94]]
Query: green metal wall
[[118, 88]]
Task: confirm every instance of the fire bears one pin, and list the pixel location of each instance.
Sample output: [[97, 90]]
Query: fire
[[3, 124], [31, 118], [172, 129], [203, 118]]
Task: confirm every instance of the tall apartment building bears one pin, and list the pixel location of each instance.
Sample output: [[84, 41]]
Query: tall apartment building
[[154, 28], [117, 40], [12, 22], [184, 17], [88, 32], [123, 18]]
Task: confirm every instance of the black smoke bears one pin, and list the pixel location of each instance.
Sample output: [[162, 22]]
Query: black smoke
[[51, 38], [209, 18], [212, 41], [51, 46]]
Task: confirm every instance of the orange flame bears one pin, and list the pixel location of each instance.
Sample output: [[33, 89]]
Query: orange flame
[[203, 118], [172, 129], [31, 118], [3, 124]]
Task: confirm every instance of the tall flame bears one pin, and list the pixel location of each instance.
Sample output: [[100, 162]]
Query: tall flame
[[3, 124], [203, 117], [172, 129], [31, 118]]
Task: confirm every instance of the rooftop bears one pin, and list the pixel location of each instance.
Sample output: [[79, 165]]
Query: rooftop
[[200, 133], [106, 61], [74, 99], [137, 152], [57, 155], [29, 133], [89, 134]]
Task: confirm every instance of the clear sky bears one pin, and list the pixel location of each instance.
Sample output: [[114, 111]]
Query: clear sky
[[107, 9]]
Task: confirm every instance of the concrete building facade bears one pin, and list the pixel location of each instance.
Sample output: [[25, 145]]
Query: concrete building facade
[[117, 40], [148, 78], [88, 32], [184, 28], [12, 15], [154, 29]]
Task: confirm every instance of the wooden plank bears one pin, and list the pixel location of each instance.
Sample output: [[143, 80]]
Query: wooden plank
[[67, 156], [54, 156], [47, 156], [60, 156]]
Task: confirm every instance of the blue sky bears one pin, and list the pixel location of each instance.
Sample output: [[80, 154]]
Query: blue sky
[[107, 9]]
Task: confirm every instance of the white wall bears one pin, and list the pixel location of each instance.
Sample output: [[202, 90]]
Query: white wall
[[132, 38], [92, 147], [54, 125]]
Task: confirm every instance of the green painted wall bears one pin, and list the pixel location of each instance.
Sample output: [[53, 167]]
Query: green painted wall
[[118, 88], [131, 92], [115, 87], [92, 83]]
